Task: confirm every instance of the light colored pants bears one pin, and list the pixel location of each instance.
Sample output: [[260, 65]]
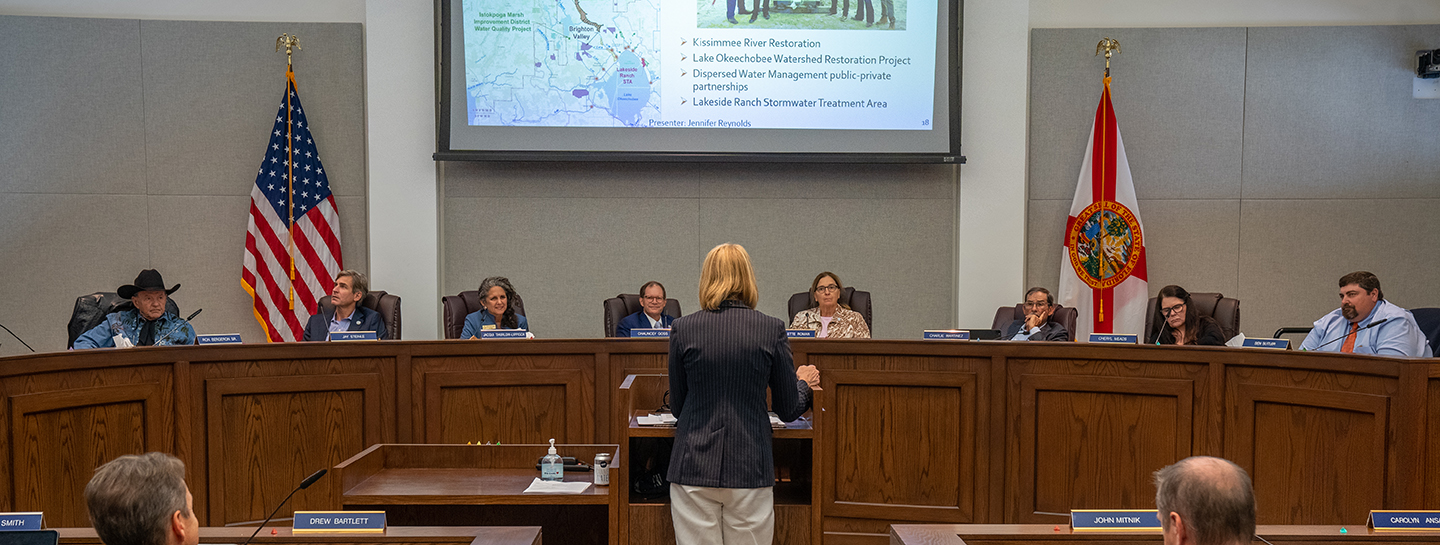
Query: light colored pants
[[722, 516]]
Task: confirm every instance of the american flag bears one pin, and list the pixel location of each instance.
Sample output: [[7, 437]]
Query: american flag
[[285, 290]]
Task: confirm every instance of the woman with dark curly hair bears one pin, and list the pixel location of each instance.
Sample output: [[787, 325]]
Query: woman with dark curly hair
[[495, 295]]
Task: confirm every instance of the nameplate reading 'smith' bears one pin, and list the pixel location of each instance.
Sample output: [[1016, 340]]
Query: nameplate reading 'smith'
[[1279, 344], [650, 333], [339, 521], [228, 338], [946, 335], [1405, 520], [1114, 338], [341, 336], [502, 334], [1114, 520], [11, 522], [800, 333]]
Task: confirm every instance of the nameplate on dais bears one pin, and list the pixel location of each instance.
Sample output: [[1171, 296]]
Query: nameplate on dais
[[228, 338], [1410, 521], [1277, 344], [346, 336], [946, 335], [502, 334], [339, 521], [1114, 520], [14, 522], [800, 333], [660, 333], [1114, 338]]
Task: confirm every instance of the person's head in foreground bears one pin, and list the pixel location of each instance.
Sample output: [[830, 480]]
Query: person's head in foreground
[[1205, 501], [142, 500]]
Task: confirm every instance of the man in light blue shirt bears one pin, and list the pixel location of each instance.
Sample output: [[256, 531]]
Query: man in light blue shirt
[[1366, 323]]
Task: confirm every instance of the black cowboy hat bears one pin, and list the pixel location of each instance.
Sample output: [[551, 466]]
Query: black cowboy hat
[[149, 280]]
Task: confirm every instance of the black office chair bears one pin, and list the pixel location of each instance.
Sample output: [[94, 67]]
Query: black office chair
[[858, 301], [625, 304], [385, 304], [1429, 321], [92, 309], [454, 309]]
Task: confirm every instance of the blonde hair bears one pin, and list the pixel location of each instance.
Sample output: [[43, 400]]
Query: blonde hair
[[727, 274]]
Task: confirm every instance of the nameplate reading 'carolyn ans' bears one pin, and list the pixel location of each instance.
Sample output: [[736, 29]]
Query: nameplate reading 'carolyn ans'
[[946, 335], [1114, 338], [347, 336], [1410, 521], [1276, 344], [503, 334], [1114, 520], [800, 333], [650, 333], [339, 521], [14, 522], [228, 338]]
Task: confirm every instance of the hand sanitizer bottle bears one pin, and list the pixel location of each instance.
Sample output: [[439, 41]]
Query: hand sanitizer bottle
[[550, 467]]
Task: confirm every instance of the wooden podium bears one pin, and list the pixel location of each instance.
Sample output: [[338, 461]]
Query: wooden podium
[[478, 485]]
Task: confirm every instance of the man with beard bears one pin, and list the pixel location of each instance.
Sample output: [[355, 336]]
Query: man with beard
[[1347, 329]]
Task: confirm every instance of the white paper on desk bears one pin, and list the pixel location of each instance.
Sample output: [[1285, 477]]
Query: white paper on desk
[[656, 420], [1237, 341], [775, 421], [556, 487]]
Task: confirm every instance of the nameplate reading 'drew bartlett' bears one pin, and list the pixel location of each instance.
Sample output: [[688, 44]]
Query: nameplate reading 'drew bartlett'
[[228, 338], [650, 333], [339, 521], [13, 522], [1114, 338], [345, 336], [1114, 520], [1276, 344], [946, 335], [800, 333], [1410, 521], [502, 334]]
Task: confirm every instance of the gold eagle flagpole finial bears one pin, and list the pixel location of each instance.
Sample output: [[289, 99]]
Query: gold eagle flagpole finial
[[293, 42], [1109, 46]]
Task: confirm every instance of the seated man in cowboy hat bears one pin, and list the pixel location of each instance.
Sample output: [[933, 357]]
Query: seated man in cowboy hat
[[148, 324]]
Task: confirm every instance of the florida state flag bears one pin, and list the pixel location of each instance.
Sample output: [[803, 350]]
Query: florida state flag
[[1102, 274]]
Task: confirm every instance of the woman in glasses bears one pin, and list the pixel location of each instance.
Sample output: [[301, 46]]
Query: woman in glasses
[[1179, 322], [828, 318]]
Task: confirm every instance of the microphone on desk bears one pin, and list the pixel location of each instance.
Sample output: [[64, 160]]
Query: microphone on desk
[[192, 317], [17, 337], [1347, 333], [303, 485]]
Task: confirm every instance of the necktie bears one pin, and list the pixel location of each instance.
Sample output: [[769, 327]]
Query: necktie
[[1349, 346], [147, 334]]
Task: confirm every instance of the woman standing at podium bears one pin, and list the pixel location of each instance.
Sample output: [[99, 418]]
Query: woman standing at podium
[[722, 470]]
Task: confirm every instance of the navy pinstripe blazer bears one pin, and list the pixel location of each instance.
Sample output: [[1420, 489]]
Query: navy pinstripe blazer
[[721, 361]]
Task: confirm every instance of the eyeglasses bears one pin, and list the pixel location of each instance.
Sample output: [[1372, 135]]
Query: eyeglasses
[[1171, 310], [1041, 304], [652, 298], [827, 289]]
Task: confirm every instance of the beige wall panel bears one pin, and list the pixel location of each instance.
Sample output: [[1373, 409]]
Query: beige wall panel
[[571, 180], [820, 181]]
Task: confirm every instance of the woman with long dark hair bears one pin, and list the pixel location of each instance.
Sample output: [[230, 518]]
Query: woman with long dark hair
[[1179, 323], [496, 293]]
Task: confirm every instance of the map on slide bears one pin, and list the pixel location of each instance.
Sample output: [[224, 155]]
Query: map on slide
[[561, 63]]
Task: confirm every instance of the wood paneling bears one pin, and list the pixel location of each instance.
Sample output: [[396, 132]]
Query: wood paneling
[[485, 407], [900, 445]]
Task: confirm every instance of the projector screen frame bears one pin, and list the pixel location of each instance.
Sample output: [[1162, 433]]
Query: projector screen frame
[[443, 41]]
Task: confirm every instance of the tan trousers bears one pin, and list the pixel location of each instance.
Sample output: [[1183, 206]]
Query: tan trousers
[[722, 516]]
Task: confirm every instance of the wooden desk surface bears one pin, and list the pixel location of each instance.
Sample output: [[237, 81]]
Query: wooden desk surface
[[413, 486], [801, 428], [1021, 534], [460, 535]]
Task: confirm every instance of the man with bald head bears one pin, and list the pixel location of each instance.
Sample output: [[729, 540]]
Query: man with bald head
[[1205, 501]]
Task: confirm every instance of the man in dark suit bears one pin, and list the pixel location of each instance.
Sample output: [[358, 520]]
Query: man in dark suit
[[1039, 305], [347, 314], [651, 315]]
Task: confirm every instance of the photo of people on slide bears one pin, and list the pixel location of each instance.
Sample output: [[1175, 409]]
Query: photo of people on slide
[[802, 14]]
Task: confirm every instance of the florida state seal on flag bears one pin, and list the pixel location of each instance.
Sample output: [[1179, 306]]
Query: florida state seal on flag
[[1102, 274]]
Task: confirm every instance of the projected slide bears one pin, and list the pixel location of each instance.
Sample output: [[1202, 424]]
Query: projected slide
[[763, 64]]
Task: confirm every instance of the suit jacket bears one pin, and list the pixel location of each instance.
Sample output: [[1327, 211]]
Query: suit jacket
[[721, 361], [1049, 331], [639, 321], [363, 319]]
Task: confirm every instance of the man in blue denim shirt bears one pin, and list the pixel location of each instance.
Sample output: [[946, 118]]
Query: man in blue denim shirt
[[148, 324]]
